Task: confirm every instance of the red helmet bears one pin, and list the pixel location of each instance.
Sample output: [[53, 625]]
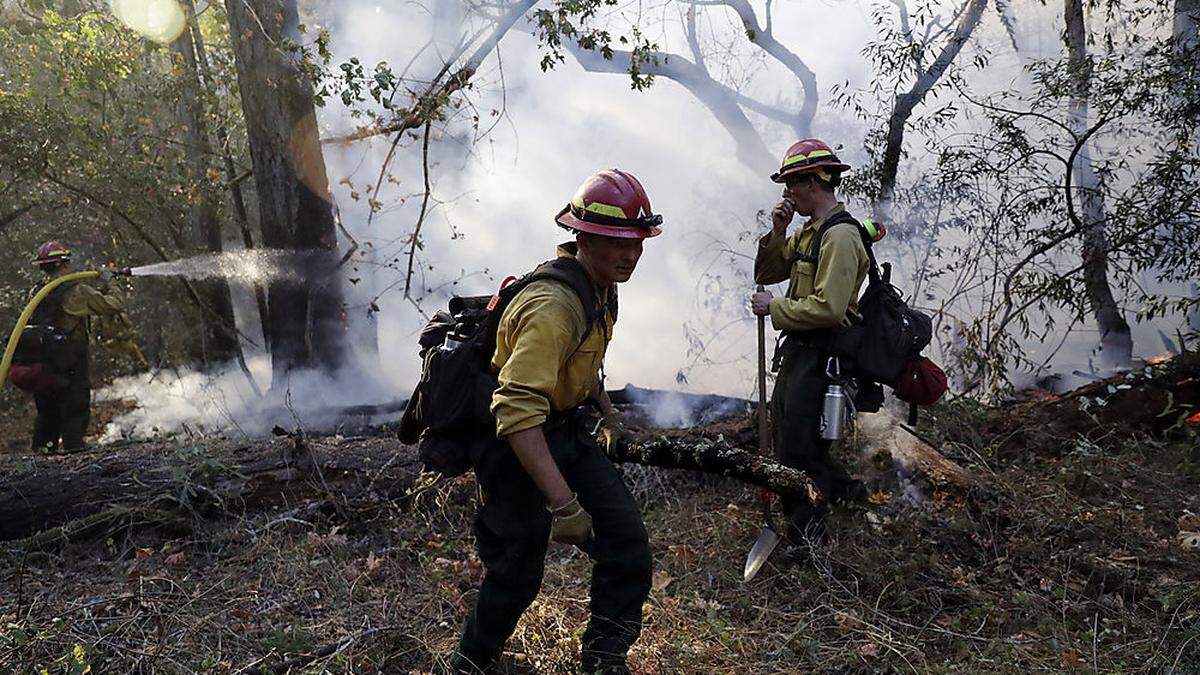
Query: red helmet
[[611, 203], [52, 252], [808, 155]]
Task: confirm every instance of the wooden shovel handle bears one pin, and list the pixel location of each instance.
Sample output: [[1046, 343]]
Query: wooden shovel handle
[[763, 444]]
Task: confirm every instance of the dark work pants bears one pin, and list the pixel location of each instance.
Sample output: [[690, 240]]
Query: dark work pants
[[512, 529], [63, 414], [796, 410]]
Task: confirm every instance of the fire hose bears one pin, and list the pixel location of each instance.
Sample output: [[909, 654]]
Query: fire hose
[[15, 337]]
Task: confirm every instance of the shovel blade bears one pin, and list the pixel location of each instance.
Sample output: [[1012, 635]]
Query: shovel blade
[[767, 540]]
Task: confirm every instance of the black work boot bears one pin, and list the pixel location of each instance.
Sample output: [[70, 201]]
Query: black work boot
[[849, 491], [592, 664], [460, 664]]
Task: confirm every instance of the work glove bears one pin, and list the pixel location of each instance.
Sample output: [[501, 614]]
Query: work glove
[[105, 278], [613, 431], [570, 524]]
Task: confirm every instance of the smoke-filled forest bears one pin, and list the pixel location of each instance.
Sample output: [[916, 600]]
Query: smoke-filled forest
[[314, 360]]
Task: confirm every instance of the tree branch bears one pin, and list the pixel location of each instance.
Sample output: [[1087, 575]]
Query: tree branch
[[720, 100], [907, 102], [429, 102], [765, 40]]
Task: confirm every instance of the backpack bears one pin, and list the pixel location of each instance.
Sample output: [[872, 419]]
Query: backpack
[[449, 414], [46, 356], [885, 346]]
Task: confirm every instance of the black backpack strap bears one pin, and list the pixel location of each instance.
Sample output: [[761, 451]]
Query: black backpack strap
[[49, 311], [814, 250], [567, 271]]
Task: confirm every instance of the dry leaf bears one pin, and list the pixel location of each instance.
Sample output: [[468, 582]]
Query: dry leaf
[[1189, 521], [682, 554], [661, 580]]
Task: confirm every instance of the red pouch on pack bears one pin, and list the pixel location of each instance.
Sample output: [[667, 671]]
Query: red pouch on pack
[[921, 382], [33, 378]]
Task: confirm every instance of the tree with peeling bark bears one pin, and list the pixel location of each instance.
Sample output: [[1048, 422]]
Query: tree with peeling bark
[[307, 322]]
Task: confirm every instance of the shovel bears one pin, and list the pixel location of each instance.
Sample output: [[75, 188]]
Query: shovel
[[768, 539]]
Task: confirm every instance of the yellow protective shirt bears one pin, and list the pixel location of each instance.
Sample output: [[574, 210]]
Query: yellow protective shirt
[[542, 366], [815, 299], [83, 302]]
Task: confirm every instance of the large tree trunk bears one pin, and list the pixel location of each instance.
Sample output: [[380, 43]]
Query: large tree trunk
[[1116, 342], [306, 321], [218, 341]]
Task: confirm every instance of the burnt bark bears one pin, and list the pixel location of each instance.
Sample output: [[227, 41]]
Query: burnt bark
[[1116, 342], [306, 321], [906, 103], [72, 495], [715, 455], [218, 342]]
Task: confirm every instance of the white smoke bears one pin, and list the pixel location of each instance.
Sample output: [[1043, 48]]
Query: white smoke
[[188, 403], [491, 216]]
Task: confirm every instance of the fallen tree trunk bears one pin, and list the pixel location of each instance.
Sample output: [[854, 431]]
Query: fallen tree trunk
[[81, 493], [716, 455]]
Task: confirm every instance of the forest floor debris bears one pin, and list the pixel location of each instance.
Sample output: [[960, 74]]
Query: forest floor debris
[[1071, 554]]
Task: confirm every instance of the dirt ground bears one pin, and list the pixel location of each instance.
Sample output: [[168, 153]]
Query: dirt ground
[[1070, 552]]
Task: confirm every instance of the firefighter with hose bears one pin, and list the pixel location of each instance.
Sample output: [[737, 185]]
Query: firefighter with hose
[[50, 357]]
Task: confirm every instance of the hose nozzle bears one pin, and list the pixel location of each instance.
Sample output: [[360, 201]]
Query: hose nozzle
[[122, 271]]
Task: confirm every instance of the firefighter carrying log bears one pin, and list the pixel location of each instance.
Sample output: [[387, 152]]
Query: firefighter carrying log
[[825, 263], [53, 352], [547, 479]]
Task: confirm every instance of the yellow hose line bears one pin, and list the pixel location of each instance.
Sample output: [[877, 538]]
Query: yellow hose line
[[15, 337]]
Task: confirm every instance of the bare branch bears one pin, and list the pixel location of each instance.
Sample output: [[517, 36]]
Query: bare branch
[[907, 102], [429, 102], [693, 40], [765, 40], [416, 235], [720, 100]]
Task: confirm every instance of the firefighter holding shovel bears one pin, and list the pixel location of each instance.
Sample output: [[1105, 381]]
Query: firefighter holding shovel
[[825, 263]]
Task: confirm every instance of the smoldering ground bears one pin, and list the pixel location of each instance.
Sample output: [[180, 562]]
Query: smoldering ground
[[506, 161]]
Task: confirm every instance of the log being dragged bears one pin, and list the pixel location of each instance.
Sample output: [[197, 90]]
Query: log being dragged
[[715, 455]]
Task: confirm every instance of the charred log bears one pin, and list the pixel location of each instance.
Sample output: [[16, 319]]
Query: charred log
[[717, 456], [73, 491]]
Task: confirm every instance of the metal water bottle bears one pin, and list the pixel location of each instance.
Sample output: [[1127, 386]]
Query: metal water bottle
[[833, 413], [451, 343]]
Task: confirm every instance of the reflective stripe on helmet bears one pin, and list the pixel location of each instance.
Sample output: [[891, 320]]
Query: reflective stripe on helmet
[[800, 158], [602, 209]]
